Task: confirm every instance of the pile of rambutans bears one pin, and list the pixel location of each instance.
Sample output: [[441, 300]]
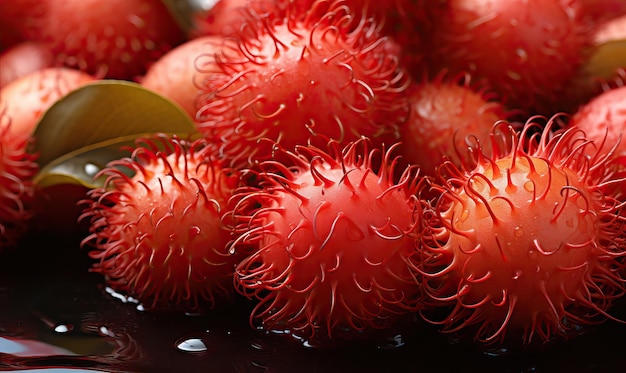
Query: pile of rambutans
[[352, 164]]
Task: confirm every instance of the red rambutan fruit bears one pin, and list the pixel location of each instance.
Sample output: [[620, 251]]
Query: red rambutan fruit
[[228, 17], [175, 75], [333, 242], [26, 99], [20, 21], [527, 50], [447, 116], [526, 243], [603, 119], [17, 170], [115, 39], [23, 59], [327, 72], [155, 227]]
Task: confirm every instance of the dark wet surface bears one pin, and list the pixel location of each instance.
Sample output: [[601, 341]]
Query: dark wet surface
[[55, 314]]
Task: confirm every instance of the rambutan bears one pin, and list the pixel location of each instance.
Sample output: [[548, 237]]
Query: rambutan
[[332, 240], [17, 170], [26, 99], [603, 119], [326, 72], [526, 243], [448, 115], [175, 75], [155, 227], [527, 50]]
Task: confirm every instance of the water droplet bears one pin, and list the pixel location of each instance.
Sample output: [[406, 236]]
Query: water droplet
[[518, 231], [307, 344], [63, 328], [517, 274], [193, 345], [120, 296], [105, 331], [91, 169]]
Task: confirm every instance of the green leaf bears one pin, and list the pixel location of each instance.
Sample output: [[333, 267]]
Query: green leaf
[[105, 110], [82, 165], [606, 58]]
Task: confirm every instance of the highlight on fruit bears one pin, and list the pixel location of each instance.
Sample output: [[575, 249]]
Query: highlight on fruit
[[332, 240], [155, 226], [347, 170], [327, 71], [526, 244]]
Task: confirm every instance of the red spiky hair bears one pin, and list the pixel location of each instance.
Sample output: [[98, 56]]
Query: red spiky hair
[[17, 170], [326, 72], [157, 235], [333, 241], [448, 114], [526, 243]]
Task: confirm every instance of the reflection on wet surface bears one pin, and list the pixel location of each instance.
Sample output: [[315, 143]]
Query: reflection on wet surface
[[54, 315]]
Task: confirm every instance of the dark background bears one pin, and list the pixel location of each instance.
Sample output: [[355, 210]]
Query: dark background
[[45, 283]]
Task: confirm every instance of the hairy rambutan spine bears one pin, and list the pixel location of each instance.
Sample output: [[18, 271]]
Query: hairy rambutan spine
[[327, 73], [333, 241], [17, 170], [449, 113], [527, 240], [155, 228]]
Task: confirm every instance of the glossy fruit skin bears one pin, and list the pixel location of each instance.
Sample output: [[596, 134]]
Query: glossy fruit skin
[[115, 39], [22, 103], [448, 114], [332, 241], [527, 50], [23, 59], [603, 119], [179, 73], [156, 235], [26, 99], [17, 170], [525, 246], [327, 72]]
